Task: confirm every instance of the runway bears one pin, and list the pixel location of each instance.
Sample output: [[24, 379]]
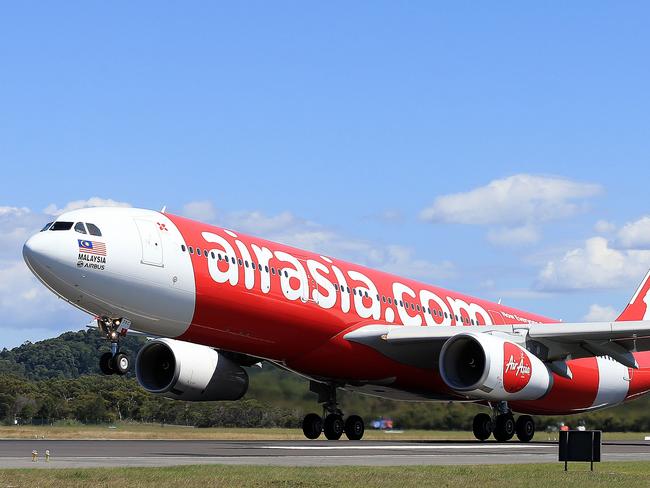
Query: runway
[[109, 453]]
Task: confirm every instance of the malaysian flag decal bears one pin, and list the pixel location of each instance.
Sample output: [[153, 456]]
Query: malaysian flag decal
[[92, 247]]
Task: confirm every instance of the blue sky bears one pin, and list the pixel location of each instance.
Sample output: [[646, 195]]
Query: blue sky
[[473, 146]]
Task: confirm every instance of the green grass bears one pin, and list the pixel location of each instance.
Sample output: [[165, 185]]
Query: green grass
[[127, 430], [498, 476]]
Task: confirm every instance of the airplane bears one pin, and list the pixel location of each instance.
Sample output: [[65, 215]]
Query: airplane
[[215, 301]]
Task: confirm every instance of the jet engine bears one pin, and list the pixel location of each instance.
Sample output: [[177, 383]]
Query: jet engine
[[186, 371], [490, 367]]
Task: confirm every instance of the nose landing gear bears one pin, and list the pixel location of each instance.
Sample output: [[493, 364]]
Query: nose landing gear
[[332, 423], [114, 362]]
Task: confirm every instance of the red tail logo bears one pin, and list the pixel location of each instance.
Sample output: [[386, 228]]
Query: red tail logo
[[516, 368]]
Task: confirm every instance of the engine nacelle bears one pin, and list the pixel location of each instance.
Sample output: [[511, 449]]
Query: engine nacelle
[[486, 366], [186, 371]]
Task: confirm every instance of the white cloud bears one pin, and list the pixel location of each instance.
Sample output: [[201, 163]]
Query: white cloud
[[515, 236], [13, 211], [594, 266], [604, 227], [517, 204], [515, 200], [636, 235], [201, 210], [53, 210], [598, 313]]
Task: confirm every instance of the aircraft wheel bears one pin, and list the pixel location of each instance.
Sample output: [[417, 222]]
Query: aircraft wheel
[[333, 427], [105, 363], [312, 426], [354, 427], [525, 428], [482, 426], [120, 363], [504, 427]]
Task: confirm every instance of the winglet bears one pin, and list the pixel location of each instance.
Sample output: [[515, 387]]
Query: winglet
[[639, 306]]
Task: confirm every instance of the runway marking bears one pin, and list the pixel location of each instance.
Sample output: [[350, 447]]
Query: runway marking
[[414, 447]]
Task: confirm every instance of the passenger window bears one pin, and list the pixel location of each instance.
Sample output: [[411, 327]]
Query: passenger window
[[183, 248], [61, 226], [246, 263], [191, 250], [47, 226], [401, 303], [383, 298], [219, 256], [418, 307], [336, 286], [93, 230], [286, 275], [198, 251], [80, 227], [232, 260], [390, 301], [240, 262], [266, 269], [212, 254], [205, 253]]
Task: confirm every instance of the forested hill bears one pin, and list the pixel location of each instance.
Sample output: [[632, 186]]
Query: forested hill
[[70, 355], [58, 379]]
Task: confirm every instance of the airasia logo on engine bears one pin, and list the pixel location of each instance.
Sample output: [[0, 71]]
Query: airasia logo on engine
[[516, 368]]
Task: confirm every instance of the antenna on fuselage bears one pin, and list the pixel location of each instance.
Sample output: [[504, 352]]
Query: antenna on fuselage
[[164, 209], [498, 302]]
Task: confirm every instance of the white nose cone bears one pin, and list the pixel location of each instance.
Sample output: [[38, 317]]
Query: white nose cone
[[35, 252]]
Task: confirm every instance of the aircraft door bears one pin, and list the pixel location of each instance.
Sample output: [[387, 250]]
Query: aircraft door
[[310, 287], [152, 251]]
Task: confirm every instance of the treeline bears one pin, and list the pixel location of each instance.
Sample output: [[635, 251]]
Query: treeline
[[56, 380]]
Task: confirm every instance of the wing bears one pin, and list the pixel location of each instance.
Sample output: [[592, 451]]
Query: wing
[[552, 343]]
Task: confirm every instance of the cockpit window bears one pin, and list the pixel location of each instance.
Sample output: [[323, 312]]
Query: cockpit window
[[61, 226], [47, 226], [93, 230], [80, 227]]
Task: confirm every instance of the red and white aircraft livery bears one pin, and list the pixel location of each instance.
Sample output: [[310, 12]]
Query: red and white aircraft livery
[[218, 301]]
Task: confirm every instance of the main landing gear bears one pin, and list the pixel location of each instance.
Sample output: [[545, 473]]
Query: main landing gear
[[332, 423], [503, 426], [114, 362]]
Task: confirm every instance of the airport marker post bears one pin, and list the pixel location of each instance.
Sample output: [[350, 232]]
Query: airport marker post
[[581, 446]]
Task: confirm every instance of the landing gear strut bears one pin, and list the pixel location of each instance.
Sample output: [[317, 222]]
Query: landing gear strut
[[331, 423], [502, 425], [114, 362]]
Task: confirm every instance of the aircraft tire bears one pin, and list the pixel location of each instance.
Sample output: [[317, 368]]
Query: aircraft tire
[[120, 363], [333, 427], [504, 428], [105, 363], [482, 426], [354, 427], [312, 426], [525, 428]]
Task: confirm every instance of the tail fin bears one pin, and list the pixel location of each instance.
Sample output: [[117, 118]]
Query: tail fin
[[639, 306]]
